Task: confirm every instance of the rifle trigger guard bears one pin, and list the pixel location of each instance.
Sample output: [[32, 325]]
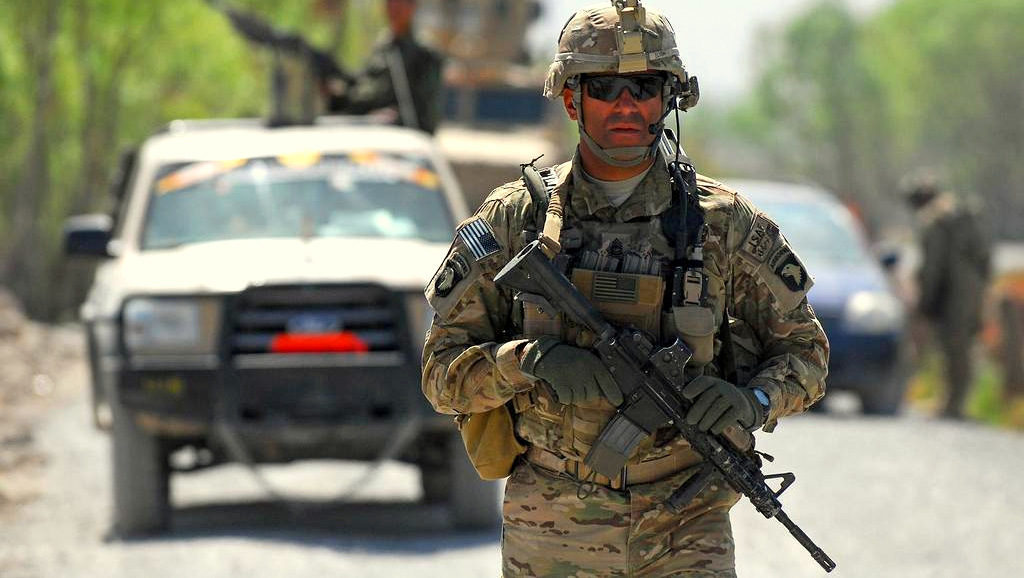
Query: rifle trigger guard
[[787, 480]]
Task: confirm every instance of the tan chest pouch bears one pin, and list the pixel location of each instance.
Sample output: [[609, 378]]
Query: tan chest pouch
[[539, 316], [624, 299], [628, 299], [696, 326]]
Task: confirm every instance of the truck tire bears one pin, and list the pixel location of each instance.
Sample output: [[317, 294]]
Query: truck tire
[[141, 478], [435, 473], [475, 503], [885, 397], [100, 406]]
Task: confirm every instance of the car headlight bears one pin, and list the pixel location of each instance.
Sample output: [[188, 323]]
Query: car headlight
[[873, 313], [170, 326]]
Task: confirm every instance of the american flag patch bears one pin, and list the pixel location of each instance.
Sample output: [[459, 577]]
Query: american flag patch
[[479, 237], [614, 288]]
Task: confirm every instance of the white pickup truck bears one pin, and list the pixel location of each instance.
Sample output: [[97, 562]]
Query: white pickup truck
[[260, 300]]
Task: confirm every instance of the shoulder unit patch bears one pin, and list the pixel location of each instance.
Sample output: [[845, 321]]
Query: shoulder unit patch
[[792, 273], [762, 238], [478, 236]]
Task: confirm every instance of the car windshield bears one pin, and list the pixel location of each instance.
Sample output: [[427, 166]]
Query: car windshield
[[298, 196], [821, 234]]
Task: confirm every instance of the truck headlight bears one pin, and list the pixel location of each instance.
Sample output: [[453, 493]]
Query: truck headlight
[[171, 326], [873, 313]]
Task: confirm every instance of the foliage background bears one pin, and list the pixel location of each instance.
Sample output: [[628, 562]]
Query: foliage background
[[853, 104], [83, 80], [856, 105]]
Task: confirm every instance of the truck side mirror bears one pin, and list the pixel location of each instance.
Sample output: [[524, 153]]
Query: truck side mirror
[[889, 259], [87, 235]]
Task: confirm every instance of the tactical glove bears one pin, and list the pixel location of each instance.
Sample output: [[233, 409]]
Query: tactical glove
[[717, 404], [576, 375]]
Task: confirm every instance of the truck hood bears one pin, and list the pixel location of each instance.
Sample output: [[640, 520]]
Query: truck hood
[[231, 266]]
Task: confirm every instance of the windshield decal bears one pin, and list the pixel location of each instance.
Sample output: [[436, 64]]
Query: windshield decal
[[196, 173], [426, 178], [299, 160]]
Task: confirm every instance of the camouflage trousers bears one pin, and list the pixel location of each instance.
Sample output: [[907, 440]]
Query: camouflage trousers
[[547, 530]]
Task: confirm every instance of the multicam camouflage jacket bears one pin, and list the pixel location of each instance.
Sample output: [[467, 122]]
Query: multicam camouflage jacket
[[480, 331]]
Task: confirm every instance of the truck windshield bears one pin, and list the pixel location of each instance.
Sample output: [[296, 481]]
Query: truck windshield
[[297, 196]]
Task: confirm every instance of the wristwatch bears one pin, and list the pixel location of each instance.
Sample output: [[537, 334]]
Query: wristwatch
[[765, 402], [762, 398]]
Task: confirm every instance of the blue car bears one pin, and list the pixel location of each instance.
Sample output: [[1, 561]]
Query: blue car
[[852, 297]]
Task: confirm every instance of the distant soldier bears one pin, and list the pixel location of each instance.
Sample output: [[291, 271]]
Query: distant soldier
[[954, 273], [402, 75]]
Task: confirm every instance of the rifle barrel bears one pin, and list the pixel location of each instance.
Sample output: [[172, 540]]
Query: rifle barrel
[[817, 553]]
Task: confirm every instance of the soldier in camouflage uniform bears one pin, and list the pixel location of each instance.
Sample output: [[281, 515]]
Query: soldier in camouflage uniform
[[402, 74], [617, 71], [952, 280]]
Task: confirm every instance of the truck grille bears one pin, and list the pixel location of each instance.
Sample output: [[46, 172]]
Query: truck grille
[[317, 319]]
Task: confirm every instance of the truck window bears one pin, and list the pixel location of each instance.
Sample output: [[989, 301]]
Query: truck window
[[365, 194]]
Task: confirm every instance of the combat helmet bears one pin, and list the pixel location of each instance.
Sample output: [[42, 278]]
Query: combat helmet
[[619, 39]]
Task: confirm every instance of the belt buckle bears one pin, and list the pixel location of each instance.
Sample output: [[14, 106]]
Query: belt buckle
[[575, 468]]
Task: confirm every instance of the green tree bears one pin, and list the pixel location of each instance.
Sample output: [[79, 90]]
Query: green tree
[[952, 75], [817, 106], [925, 83], [81, 80]]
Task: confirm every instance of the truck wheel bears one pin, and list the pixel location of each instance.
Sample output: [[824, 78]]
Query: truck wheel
[[886, 395], [435, 474], [141, 478], [100, 405], [885, 399], [475, 503]]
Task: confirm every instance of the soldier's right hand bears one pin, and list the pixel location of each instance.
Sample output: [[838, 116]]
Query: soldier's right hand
[[576, 375]]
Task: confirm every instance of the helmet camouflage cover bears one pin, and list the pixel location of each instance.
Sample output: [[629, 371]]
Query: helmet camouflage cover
[[617, 39]]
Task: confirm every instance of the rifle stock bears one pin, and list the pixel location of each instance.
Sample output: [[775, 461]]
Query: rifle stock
[[259, 31]]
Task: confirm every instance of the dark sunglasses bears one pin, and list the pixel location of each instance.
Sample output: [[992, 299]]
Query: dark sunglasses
[[608, 88]]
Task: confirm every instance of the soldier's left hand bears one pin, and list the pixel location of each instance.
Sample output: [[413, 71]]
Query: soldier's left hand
[[717, 404]]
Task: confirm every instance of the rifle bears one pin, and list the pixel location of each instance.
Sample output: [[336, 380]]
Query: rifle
[[651, 383], [259, 31]]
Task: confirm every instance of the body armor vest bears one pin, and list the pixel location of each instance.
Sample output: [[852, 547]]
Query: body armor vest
[[628, 272]]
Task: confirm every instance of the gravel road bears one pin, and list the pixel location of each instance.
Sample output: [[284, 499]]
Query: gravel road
[[910, 498]]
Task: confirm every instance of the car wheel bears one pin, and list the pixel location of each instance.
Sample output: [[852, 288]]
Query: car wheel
[[101, 418], [474, 503], [886, 396], [141, 478], [435, 474]]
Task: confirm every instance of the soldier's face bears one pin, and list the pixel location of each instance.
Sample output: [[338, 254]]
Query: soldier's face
[[621, 118], [400, 14]]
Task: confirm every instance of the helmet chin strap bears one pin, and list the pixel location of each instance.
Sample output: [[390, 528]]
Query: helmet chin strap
[[619, 156], [622, 157]]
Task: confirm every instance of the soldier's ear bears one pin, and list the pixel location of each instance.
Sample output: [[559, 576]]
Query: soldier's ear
[[570, 107]]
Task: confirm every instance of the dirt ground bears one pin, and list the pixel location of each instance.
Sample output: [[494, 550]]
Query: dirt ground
[[33, 359]]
